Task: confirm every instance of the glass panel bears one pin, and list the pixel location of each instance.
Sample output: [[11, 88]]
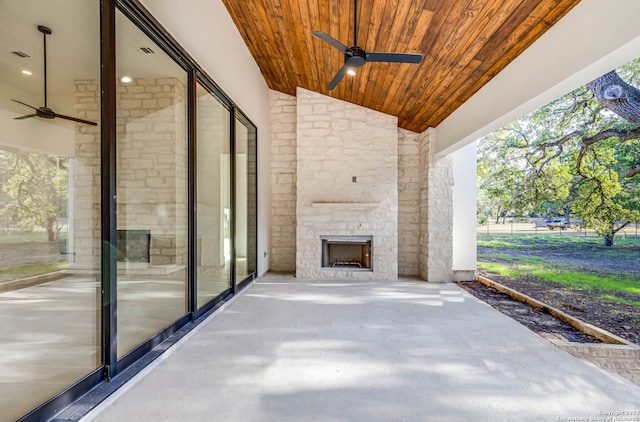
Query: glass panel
[[49, 200], [151, 189], [246, 211], [214, 209]]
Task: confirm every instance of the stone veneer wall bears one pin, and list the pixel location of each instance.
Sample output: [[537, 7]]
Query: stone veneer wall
[[424, 144], [408, 203], [436, 212], [85, 187], [213, 163], [283, 181], [336, 141], [151, 166]]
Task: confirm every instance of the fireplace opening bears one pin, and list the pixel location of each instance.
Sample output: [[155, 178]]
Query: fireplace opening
[[133, 245], [347, 252]]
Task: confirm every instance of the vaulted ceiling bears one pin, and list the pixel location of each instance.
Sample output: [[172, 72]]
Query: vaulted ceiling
[[464, 43]]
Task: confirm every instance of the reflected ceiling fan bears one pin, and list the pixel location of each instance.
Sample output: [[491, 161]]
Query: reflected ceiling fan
[[44, 111], [355, 57]]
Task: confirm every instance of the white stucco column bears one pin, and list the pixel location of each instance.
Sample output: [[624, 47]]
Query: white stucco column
[[464, 213]]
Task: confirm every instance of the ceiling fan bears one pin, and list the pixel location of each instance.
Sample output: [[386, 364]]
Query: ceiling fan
[[44, 111], [355, 57]]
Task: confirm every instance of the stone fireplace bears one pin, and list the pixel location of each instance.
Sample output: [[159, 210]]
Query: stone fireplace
[[352, 253], [339, 170], [347, 188]]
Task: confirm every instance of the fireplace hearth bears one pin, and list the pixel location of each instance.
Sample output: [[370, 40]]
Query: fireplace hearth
[[352, 253]]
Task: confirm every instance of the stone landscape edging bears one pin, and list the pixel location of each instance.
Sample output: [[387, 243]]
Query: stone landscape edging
[[21, 283]]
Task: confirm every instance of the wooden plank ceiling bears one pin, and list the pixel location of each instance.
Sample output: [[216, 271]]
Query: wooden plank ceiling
[[464, 43]]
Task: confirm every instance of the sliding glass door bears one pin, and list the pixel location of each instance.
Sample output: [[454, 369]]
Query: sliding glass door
[[213, 176], [245, 198], [152, 180], [49, 199], [127, 197]]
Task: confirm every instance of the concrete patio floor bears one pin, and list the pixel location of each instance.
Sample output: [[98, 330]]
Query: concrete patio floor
[[291, 350]]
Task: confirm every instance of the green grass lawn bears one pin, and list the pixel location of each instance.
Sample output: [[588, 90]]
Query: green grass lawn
[[26, 254], [30, 270], [517, 241], [575, 262]]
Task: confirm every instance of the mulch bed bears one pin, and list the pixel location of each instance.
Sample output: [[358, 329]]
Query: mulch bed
[[536, 319], [589, 305], [617, 318]]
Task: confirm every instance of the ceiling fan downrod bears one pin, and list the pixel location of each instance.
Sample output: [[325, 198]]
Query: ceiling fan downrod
[[45, 31]]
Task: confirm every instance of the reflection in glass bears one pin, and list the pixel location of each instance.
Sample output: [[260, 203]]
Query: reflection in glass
[[213, 219], [49, 202], [151, 188], [245, 198]]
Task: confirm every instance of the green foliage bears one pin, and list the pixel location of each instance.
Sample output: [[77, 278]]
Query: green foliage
[[598, 192], [36, 190], [556, 161], [502, 184]]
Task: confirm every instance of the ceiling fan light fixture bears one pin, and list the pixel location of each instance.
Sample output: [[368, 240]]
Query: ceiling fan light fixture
[[356, 57]]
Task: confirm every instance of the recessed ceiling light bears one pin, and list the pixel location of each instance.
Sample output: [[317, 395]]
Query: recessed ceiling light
[[351, 72], [126, 79], [27, 72]]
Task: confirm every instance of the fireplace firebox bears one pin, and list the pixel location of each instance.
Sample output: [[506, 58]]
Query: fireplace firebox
[[134, 245], [352, 253]]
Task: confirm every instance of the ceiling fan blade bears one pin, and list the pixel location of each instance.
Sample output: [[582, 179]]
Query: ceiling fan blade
[[394, 58], [336, 79], [24, 104], [75, 119], [28, 116], [329, 39]]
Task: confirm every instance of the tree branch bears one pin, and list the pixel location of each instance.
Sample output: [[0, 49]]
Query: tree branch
[[633, 171], [618, 96]]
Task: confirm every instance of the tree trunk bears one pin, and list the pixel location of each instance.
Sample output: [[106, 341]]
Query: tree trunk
[[50, 233], [567, 215], [618, 96], [608, 239]]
